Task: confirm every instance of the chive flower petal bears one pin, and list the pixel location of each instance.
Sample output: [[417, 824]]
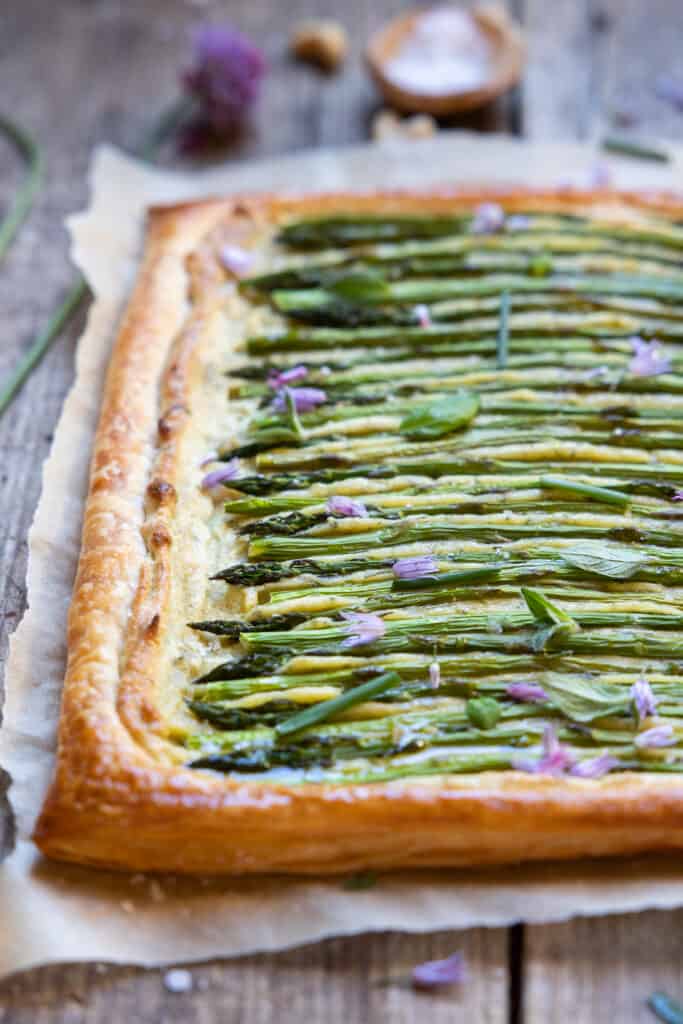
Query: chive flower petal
[[304, 399], [235, 259], [555, 760], [338, 505], [648, 359], [362, 628], [657, 736], [527, 693], [422, 315], [489, 218], [280, 379], [438, 973], [218, 477], [643, 698], [435, 675], [415, 568], [594, 767]]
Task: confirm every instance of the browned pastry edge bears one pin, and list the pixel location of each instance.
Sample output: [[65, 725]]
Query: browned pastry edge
[[118, 800]]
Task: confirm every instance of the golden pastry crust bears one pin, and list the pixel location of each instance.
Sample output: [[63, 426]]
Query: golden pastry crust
[[119, 798]]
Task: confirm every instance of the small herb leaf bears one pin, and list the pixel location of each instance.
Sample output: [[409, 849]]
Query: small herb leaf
[[546, 612], [582, 700], [616, 561], [440, 417]]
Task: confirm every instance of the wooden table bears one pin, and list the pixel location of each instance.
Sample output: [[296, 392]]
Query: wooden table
[[81, 71]]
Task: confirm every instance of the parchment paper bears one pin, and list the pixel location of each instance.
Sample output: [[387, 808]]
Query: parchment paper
[[50, 912]]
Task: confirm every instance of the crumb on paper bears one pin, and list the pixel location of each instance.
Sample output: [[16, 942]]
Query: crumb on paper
[[323, 43], [178, 980], [127, 906]]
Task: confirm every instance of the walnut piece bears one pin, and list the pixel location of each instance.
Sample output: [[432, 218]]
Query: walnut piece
[[324, 43]]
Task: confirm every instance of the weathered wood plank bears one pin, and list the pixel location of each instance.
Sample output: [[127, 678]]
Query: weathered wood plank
[[599, 969], [363, 979]]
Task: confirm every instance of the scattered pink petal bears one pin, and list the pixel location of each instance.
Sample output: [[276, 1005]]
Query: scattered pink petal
[[678, 496], [235, 259], [284, 377], [304, 399], [555, 759], [488, 219], [648, 359], [438, 973], [224, 80], [528, 693], [643, 698], [338, 505], [594, 767], [423, 316], [435, 675], [415, 568], [363, 628], [657, 736], [230, 471]]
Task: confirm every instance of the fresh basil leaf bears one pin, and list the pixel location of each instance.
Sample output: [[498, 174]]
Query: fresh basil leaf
[[546, 612], [616, 561], [483, 712], [582, 700], [361, 286], [440, 417]]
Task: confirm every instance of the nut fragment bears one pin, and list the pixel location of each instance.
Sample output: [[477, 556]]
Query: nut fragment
[[388, 125], [323, 43]]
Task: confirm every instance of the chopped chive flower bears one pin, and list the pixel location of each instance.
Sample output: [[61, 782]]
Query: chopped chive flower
[[218, 477], [417, 568], [488, 219], [208, 459], [304, 399], [657, 736], [438, 973], [678, 496], [643, 698], [338, 505], [284, 377], [435, 675], [555, 759], [235, 259], [594, 767], [527, 693], [362, 628], [224, 81], [422, 314], [648, 359]]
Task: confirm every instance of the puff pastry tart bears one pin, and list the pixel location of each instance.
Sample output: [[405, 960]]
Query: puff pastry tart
[[382, 558]]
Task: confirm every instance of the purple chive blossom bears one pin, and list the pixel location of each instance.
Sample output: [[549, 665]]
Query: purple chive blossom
[[594, 767], [643, 698], [517, 222], [488, 219], [230, 471], [423, 316], [338, 505], [437, 973], [435, 675], [208, 459], [363, 628], [224, 81], [648, 359], [528, 693], [304, 399], [284, 377], [657, 736], [235, 259], [678, 496], [415, 568], [555, 759]]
